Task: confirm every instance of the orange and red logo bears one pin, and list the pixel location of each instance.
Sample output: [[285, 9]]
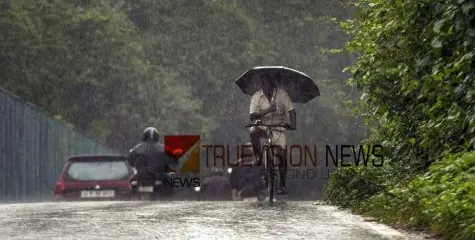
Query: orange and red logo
[[178, 146]]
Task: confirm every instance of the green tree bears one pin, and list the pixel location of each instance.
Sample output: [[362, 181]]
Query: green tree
[[88, 67], [415, 71]]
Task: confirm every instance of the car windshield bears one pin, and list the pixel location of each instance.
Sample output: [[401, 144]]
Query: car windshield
[[98, 170]]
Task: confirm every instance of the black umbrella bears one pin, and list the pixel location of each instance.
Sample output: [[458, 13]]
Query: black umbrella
[[300, 87]]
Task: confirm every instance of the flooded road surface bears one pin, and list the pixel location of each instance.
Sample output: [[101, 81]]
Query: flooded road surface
[[186, 220]]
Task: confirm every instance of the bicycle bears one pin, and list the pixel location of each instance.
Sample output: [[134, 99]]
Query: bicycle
[[270, 167]]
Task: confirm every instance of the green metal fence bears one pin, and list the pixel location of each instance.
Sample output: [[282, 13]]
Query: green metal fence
[[33, 150]]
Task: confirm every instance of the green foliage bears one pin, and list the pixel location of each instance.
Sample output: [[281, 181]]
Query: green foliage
[[87, 65], [446, 195], [416, 74], [351, 186], [441, 199]]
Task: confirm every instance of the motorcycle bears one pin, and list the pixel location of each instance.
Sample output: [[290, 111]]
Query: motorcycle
[[243, 194], [147, 185], [144, 184], [198, 189]]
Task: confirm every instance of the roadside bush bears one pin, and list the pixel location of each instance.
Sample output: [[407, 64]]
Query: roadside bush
[[416, 71], [351, 186], [442, 200], [446, 195]]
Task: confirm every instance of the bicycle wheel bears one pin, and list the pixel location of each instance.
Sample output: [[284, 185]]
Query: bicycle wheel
[[271, 175], [263, 190], [265, 172]]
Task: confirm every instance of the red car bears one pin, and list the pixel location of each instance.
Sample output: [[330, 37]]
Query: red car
[[94, 177]]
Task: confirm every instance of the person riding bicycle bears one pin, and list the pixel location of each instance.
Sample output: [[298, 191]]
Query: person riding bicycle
[[246, 180], [150, 156], [270, 105], [216, 186]]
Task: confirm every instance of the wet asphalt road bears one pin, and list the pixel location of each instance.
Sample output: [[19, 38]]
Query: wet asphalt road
[[186, 220]]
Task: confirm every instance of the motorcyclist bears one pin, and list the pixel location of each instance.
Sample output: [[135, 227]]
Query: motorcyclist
[[149, 157], [216, 186], [246, 179]]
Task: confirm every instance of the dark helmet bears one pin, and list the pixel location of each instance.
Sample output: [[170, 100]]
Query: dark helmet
[[150, 134]]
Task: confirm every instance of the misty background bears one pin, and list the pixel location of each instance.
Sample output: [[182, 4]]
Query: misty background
[[111, 68]]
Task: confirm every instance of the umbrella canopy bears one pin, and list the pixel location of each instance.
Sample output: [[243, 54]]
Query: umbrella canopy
[[300, 87]]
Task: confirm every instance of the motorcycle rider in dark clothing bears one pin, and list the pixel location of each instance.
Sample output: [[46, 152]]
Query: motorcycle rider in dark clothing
[[216, 187], [246, 179], [149, 158]]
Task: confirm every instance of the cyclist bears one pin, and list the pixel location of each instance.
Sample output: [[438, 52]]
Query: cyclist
[[270, 105], [150, 154]]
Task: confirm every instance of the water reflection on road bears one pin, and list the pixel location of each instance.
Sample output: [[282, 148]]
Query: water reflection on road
[[185, 220]]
